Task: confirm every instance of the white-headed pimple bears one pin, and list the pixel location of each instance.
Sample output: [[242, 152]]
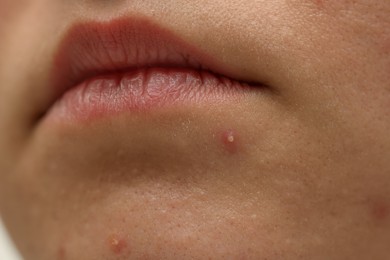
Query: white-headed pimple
[[229, 140]]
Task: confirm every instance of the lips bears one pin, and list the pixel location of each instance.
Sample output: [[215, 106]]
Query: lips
[[133, 65]]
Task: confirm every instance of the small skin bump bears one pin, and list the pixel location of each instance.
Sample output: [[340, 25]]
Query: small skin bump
[[61, 253], [229, 140], [319, 3], [116, 244], [380, 211], [386, 46]]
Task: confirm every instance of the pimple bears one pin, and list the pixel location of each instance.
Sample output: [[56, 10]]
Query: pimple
[[61, 252], [319, 3], [386, 46], [117, 244], [229, 139], [380, 211]]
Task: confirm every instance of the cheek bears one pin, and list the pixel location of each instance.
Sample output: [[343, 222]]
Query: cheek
[[10, 10]]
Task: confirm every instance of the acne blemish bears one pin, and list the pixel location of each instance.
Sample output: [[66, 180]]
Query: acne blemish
[[380, 211], [117, 244], [229, 140], [61, 252], [386, 46], [320, 4]]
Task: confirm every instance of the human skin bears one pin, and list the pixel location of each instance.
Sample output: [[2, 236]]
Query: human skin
[[308, 176]]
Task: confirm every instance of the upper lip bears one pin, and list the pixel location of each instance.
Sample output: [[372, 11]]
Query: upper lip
[[95, 48]]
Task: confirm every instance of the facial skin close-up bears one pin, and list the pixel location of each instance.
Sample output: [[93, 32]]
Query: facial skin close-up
[[225, 129]]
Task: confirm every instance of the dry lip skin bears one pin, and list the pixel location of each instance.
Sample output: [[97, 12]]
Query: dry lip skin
[[103, 68]]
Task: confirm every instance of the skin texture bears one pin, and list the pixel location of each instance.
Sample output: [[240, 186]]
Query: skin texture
[[305, 176]]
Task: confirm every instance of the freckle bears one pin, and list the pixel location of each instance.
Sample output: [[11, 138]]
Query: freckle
[[230, 141], [116, 244]]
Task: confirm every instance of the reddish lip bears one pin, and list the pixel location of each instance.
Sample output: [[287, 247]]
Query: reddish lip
[[100, 58]]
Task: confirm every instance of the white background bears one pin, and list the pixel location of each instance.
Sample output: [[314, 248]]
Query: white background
[[7, 250]]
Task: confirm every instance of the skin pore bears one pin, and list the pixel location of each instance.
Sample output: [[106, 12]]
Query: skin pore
[[298, 170]]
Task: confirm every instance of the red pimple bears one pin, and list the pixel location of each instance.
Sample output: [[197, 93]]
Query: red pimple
[[386, 46], [380, 211], [116, 244], [61, 253], [319, 3], [230, 141]]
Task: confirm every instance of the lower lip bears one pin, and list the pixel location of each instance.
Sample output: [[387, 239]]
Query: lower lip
[[144, 90]]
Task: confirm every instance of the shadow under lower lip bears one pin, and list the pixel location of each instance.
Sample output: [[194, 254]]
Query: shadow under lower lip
[[144, 90]]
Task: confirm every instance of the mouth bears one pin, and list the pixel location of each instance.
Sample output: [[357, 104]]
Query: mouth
[[134, 65]]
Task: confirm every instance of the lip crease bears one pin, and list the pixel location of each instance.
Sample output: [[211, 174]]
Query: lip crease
[[102, 68]]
